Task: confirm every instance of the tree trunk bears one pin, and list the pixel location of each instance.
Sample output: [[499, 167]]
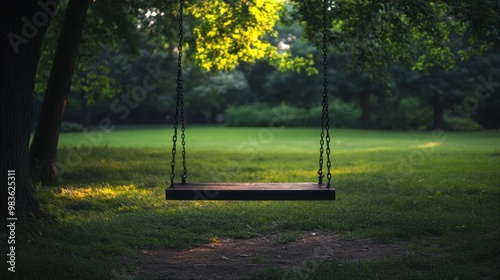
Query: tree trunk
[[365, 109], [43, 153], [22, 28], [437, 108]]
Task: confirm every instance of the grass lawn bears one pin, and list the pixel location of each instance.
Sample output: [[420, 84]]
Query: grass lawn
[[439, 193]]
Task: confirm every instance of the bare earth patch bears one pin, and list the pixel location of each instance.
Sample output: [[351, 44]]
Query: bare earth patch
[[233, 258]]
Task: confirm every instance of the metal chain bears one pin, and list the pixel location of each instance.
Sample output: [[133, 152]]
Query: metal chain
[[183, 136], [179, 108], [325, 121]]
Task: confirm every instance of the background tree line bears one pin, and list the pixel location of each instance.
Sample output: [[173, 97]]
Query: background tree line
[[408, 99]]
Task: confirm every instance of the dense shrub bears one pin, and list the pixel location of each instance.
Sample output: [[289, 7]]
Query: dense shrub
[[344, 115], [248, 115], [341, 115], [405, 114], [412, 114], [463, 125], [392, 114], [262, 115], [71, 127]]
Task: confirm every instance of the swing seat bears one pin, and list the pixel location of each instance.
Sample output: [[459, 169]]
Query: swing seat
[[250, 191]]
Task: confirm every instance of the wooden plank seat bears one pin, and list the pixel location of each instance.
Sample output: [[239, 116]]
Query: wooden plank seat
[[250, 191]]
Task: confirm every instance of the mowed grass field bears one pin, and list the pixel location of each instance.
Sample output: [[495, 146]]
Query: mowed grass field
[[438, 192]]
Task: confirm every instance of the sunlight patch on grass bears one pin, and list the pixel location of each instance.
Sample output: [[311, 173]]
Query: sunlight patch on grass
[[378, 149], [105, 199], [101, 193], [430, 145]]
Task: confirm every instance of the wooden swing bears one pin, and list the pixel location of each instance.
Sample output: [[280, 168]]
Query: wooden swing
[[250, 191]]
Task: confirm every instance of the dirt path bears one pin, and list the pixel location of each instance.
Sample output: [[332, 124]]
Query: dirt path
[[233, 258]]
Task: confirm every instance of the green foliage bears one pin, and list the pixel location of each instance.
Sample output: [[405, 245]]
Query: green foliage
[[412, 114], [109, 25], [382, 33], [230, 31], [262, 115], [464, 124], [209, 93], [406, 114], [109, 69], [93, 79], [71, 127], [343, 114], [285, 62], [409, 113], [480, 19], [227, 32]]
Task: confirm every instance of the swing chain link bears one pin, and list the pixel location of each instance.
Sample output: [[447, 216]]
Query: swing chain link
[[179, 108], [325, 121]]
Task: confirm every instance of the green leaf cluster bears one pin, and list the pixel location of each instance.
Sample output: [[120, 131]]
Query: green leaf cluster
[[376, 34], [229, 32]]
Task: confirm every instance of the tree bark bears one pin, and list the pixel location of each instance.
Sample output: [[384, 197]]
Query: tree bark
[[437, 108], [43, 153], [22, 29], [365, 109]]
